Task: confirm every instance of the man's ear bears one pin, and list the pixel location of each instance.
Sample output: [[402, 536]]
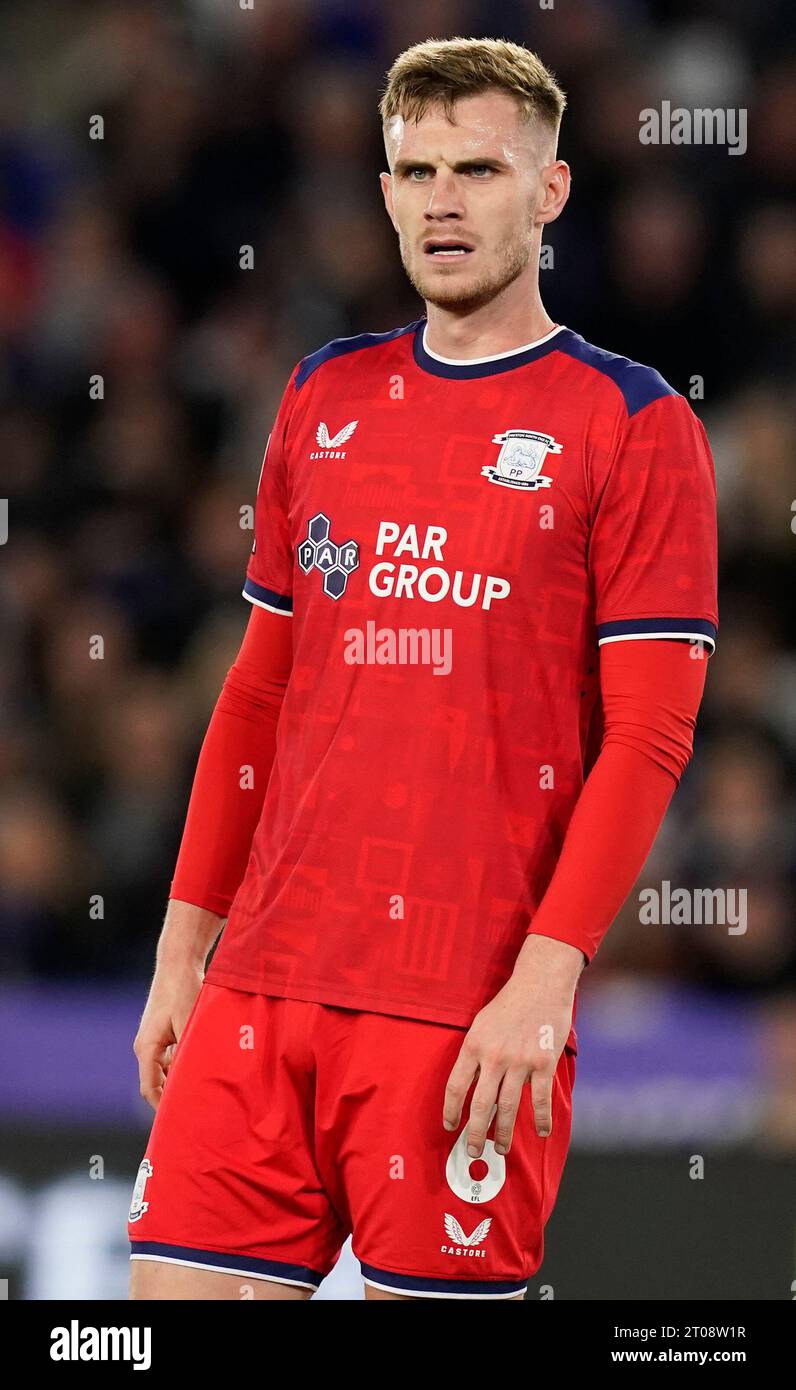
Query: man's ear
[[558, 179], [386, 187]]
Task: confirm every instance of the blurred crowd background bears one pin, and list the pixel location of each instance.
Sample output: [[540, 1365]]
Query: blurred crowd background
[[227, 126]]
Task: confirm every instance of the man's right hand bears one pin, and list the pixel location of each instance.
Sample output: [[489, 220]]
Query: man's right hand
[[188, 933]]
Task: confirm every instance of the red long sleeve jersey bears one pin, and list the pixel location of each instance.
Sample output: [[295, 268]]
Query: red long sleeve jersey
[[451, 541]]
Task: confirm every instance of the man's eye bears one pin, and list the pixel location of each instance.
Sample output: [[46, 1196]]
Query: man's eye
[[422, 173]]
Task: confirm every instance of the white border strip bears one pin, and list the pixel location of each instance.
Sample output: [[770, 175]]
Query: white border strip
[[222, 1269], [496, 356], [650, 636], [423, 1293]]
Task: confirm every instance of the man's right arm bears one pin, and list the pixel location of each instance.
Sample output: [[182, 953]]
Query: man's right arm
[[225, 805], [234, 766]]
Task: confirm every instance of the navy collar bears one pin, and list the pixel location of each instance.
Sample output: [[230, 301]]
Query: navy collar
[[482, 366]]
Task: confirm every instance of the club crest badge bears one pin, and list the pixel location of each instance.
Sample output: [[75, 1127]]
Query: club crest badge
[[520, 460], [138, 1206]]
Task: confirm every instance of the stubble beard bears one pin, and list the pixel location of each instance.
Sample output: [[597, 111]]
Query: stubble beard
[[510, 261]]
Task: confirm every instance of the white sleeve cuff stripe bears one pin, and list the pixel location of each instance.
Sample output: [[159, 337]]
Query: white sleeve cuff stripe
[[656, 636], [283, 612], [689, 629]]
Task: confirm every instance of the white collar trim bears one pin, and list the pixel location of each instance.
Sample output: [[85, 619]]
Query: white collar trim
[[495, 357]]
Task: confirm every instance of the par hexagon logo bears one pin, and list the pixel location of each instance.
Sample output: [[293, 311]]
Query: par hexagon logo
[[319, 552]]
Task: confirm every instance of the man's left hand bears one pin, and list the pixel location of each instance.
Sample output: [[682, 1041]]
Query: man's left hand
[[517, 1037]]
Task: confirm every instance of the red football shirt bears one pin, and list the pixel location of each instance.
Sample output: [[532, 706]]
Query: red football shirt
[[452, 540]]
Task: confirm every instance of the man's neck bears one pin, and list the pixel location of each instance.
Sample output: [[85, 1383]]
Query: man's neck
[[487, 331]]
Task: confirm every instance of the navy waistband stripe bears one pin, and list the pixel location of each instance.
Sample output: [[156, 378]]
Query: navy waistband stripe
[[219, 1259], [415, 1283]]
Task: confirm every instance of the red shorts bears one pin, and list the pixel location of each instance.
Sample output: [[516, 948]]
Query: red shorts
[[284, 1126]]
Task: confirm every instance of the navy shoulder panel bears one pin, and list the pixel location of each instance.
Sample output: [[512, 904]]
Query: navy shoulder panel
[[338, 347], [639, 385]]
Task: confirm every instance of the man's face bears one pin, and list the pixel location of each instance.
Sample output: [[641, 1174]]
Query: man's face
[[489, 183]]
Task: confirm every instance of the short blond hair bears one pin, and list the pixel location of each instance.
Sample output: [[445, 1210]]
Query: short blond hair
[[439, 71]]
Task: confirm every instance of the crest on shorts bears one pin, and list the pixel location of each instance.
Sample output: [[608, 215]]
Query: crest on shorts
[[138, 1206], [520, 460], [459, 1177]]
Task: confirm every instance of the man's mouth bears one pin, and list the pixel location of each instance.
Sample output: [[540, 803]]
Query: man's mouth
[[447, 250]]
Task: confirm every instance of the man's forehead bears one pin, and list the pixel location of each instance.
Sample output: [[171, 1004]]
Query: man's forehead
[[483, 121]]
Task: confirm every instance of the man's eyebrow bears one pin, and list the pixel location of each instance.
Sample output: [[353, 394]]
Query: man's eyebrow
[[402, 166]]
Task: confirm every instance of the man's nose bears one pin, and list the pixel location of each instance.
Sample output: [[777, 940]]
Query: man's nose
[[445, 199]]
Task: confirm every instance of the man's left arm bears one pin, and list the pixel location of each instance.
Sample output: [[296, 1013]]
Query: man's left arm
[[651, 559], [651, 692]]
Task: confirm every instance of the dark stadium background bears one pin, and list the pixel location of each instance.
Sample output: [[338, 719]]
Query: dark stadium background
[[226, 127]]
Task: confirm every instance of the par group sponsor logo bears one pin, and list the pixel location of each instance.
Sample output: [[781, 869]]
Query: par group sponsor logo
[[337, 560]]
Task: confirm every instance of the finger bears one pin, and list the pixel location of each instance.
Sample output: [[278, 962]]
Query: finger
[[482, 1108], [459, 1082], [153, 1098], [507, 1107], [153, 1094], [151, 1077], [542, 1100], [179, 1021]]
